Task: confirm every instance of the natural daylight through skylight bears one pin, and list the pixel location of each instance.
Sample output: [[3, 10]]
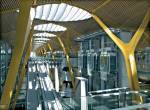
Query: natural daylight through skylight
[[44, 34], [61, 12], [55, 12], [49, 27]]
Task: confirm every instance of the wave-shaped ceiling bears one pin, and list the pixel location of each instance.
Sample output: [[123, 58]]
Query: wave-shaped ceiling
[[61, 12]]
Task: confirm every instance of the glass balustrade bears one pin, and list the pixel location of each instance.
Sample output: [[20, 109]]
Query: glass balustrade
[[110, 99]]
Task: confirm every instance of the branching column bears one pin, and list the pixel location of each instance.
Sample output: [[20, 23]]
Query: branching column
[[128, 49], [21, 36], [24, 69]]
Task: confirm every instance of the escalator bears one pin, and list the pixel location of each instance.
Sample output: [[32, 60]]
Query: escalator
[[41, 94]]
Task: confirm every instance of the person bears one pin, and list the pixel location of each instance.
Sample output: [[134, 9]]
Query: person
[[67, 80]]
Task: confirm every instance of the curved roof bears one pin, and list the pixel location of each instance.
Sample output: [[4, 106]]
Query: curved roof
[[44, 34], [38, 42], [39, 38], [61, 12], [49, 27], [123, 14]]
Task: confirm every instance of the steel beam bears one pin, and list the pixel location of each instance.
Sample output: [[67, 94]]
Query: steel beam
[[68, 61], [22, 24], [128, 49], [24, 69]]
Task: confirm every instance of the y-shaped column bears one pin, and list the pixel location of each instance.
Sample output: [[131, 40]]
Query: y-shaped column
[[128, 49], [24, 69], [22, 33]]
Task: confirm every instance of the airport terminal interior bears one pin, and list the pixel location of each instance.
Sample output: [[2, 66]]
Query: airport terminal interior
[[75, 55]]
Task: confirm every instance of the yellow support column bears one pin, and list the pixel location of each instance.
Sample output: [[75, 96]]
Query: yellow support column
[[22, 24], [44, 50], [128, 49], [49, 47], [23, 70], [41, 51], [68, 61], [51, 50]]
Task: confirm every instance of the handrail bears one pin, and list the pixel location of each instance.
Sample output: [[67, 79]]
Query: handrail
[[63, 102], [108, 90], [140, 106], [43, 96]]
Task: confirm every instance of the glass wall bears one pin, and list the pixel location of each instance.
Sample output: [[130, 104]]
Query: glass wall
[[5, 56]]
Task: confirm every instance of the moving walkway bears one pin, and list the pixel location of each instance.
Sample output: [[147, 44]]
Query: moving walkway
[[40, 91]]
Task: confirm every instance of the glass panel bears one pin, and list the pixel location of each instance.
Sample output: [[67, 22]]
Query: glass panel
[[66, 13], [41, 39], [38, 12], [108, 100], [82, 15], [53, 12], [5, 58], [77, 15], [46, 11], [49, 27], [61, 12], [71, 14]]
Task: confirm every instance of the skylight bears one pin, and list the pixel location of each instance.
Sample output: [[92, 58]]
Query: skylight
[[39, 41], [42, 39], [61, 12], [49, 27], [44, 34]]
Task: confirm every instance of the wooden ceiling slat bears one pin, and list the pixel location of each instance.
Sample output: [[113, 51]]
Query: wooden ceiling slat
[[117, 13]]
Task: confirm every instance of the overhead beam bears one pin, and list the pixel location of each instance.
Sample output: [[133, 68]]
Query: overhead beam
[[128, 50], [22, 24]]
